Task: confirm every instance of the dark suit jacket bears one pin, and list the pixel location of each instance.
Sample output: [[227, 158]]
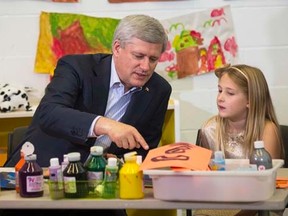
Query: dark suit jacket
[[76, 95]]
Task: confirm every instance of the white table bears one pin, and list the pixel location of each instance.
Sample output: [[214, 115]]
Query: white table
[[12, 200]]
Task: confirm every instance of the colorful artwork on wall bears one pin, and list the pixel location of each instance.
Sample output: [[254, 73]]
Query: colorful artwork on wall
[[62, 34], [198, 43]]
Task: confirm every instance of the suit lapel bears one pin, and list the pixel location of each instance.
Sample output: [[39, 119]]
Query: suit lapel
[[100, 85], [137, 106]]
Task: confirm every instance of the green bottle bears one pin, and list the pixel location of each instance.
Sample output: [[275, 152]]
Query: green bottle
[[95, 166], [110, 183]]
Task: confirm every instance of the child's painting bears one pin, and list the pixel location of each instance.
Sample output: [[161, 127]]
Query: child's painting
[[198, 43], [62, 34]]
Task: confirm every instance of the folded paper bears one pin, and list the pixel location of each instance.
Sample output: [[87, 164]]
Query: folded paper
[[179, 156]]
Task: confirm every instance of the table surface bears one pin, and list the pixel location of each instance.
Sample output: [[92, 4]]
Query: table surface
[[9, 199]]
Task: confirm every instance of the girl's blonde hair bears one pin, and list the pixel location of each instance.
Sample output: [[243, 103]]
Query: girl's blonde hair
[[252, 82]]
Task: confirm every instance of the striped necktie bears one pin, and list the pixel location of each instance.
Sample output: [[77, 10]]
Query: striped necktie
[[115, 112]]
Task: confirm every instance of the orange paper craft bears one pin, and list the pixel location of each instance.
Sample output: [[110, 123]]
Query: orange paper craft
[[178, 156], [281, 182]]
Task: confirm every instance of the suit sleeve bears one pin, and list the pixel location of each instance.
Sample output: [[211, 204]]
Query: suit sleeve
[[59, 110]]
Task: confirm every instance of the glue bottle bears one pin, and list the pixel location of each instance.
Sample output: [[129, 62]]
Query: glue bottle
[[130, 176], [218, 163], [56, 185], [26, 149]]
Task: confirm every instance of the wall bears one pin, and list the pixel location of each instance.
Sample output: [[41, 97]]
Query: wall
[[261, 31]]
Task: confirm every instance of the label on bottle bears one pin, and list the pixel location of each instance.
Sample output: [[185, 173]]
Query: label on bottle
[[70, 184], [261, 167], [56, 176], [110, 183], [262, 159], [34, 183], [95, 178], [111, 176]]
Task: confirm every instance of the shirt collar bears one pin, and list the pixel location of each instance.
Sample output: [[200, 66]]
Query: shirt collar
[[116, 81], [114, 76]]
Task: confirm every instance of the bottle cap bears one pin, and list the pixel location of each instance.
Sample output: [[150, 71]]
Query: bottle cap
[[65, 158], [27, 148], [130, 156], [218, 156], [74, 156], [96, 150], [139, 159], [259, 144], [54, 162], [31, 157], [112, 162]]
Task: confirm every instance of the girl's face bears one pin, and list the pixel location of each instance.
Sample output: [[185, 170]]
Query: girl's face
[[231, 101]]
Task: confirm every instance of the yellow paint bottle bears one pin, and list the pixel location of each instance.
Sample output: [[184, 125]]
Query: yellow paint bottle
[[131, 178]]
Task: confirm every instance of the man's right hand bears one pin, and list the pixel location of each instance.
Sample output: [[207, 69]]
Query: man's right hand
[[123, 135]]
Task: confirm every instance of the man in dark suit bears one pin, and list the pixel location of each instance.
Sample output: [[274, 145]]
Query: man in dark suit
[[72, 115]]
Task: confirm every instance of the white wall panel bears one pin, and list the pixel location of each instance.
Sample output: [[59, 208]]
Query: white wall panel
[[260, 26]]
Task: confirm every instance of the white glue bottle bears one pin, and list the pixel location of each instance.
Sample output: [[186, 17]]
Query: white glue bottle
[[56, 184]]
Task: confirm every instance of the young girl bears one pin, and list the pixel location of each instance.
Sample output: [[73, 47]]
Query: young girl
[[246, 114]]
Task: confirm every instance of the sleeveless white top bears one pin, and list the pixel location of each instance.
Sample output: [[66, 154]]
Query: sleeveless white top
[[233, 143]]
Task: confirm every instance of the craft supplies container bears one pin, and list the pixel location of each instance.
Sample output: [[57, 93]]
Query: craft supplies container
[[216, 186]]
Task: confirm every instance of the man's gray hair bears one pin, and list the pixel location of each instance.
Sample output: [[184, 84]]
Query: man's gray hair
[[143, 27]]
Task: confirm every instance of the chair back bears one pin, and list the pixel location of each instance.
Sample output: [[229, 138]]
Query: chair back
[[14, 139], [284, 135]]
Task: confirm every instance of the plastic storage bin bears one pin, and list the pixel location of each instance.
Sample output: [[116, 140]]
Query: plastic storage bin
[[216, 186]]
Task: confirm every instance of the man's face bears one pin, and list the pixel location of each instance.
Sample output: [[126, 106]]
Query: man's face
[[135, 63]]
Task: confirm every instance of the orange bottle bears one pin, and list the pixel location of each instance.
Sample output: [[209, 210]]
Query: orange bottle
[[18, 166]]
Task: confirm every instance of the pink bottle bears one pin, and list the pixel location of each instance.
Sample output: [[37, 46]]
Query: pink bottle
[[31, 179]]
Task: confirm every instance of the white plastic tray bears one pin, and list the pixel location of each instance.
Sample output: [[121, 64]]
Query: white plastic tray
[[217, 186]]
